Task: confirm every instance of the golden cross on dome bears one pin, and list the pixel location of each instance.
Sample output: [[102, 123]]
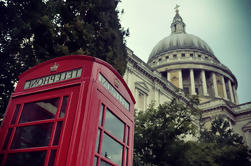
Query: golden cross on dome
[[177, 8]]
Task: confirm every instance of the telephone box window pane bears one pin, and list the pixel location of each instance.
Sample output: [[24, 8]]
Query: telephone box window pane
[[103, 163], [52, 157], [39, 110], [101, 114], [26, 158], [32, 136], [111, 149], [126, 157], [57, 133], [95, 161], [114, 125], [128, 134], [97, 142], [63, 107], [7, 139], [15, 114]]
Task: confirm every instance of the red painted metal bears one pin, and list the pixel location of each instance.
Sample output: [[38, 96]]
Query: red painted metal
[[69, 107]]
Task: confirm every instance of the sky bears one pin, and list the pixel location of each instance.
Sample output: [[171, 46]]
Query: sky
[[225, 25]]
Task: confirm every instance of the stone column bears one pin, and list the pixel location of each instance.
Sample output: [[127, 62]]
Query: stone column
[[235, 94], [231, 91], [204, 82], [224, 87], [180, 79], [192, 82], [168, 76], [215, 85]]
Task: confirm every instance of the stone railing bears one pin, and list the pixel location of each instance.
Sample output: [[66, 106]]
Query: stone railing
[[245, 107], [191, 59], [213, 104]]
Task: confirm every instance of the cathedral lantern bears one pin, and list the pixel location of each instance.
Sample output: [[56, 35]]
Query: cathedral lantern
[[73, 110]]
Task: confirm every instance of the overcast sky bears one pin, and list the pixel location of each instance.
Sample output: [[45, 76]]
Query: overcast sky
[[225, 25]]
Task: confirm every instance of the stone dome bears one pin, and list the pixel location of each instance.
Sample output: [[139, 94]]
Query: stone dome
[[178, 41]]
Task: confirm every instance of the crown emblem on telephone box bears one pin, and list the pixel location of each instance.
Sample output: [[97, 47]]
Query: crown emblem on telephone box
[[54, 67]]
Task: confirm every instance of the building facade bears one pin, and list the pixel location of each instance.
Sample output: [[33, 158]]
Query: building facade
[[180, 64]]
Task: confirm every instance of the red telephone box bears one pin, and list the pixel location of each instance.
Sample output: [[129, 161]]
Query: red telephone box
[[73, 111]]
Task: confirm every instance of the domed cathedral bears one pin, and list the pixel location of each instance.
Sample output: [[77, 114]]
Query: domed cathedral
[[183, 64], [189, 63]]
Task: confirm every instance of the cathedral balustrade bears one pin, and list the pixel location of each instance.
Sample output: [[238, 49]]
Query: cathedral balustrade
[[214, 104], [245, 107]]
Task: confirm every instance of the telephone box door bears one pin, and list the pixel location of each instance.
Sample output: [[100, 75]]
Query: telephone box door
[[114, 136], [38, 128]]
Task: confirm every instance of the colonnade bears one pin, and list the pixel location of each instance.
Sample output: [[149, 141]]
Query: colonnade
[[210, 83]]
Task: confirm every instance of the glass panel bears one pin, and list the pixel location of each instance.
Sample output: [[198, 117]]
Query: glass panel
[[95, 161], [128, 135], [63, 107], [103, 163], [7, 139], [126, 157], [101, 114], [114, 125], [97, 142], [32, 136], [15, 114], [26, 158], [39, 110], [112, 149], [52, 157], [57, 133]]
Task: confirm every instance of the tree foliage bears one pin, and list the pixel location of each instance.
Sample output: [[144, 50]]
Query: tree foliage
[[223, 146], [33, 31], [221, 133], [160, 139], [159, 132]]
